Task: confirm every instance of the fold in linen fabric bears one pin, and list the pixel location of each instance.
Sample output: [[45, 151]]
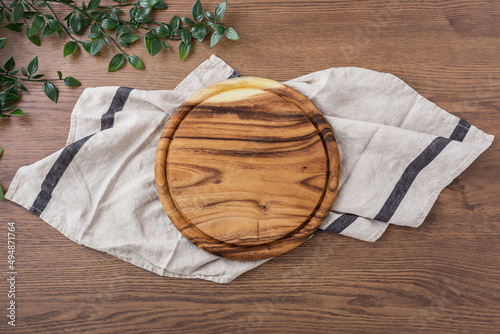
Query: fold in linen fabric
[[398, 151]]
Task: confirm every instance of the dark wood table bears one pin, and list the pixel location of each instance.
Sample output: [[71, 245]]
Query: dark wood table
[[441, 278]]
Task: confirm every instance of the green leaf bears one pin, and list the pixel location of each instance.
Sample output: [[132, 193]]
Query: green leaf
[[187, 20], [165, 45], [38, 76], [209, 16], [116, 11], [3, 41], [1, 151], [94, 29], [232, 35], [84, 6], [36, 26], [17, 112], [6, 97], [218, 28], [55, 25], [201, 33], [87, 46], [160, 5], [69, 48], [2, 196], [96, 46], [7, 107], [142, 14], [116, 62], [219, 10], [109, 24], [67, 17], [163, 30], [135, 62], [75, 24], [47, 31], [118, 30], [13, 90], [23, 71], [50, 90], [186, 36], [17, 27], [184, 50], [132, 12], [129, 38], [197, 9], [106, 41], [113, 17], [6, 81], [155, 46], [84, 20], [94, 35], [71, 82], [194, 30], [148, 3], [30, 15], [215, 39], [93, 4], [148, 38], [174, 24], [17, 13], [59, 74], [34, 40], [9, 64], [20, 85]]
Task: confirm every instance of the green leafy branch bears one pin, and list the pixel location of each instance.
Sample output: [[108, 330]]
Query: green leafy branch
[[12, 78], [109, 25]]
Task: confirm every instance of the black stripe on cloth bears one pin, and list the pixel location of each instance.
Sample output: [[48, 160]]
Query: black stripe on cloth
[[409, 175], [121, 96], [407, 178], [318, 231], [341, 223], [235, 74], [69, 152], [54, 175], [460, 130]]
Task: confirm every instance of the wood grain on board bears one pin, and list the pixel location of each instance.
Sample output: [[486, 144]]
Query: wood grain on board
[[440, 278], [247, 168]]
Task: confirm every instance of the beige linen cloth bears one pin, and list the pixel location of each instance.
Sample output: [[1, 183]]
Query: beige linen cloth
[[398, 151]]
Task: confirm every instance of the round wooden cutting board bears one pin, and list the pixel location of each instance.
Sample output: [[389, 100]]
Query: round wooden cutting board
[[247, 168]]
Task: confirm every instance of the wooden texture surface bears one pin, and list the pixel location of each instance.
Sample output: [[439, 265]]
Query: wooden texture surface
[[440, 278], [247, 168]]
